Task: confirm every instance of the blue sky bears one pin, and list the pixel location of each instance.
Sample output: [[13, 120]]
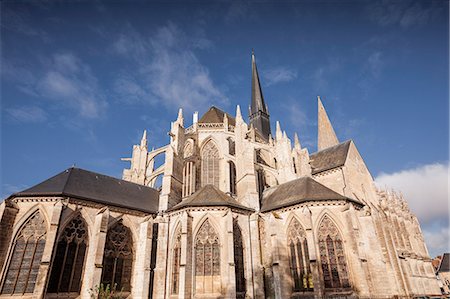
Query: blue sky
[[81, 80]]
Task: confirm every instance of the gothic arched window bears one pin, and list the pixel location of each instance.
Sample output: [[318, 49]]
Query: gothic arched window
[[69, 258], [232, 178], [118, 257], [207, 260], [299, 257], [176, 256], [210, 164], [26, 256], [238, 261], [188, 179], [231, 146], [332, 258]]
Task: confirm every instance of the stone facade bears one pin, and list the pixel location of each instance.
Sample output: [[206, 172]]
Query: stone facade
[[240, 214]]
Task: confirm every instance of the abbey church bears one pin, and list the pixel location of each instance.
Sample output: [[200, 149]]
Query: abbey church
[[242, 211]]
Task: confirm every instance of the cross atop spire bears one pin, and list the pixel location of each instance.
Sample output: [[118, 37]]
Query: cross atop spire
[[259, 116]]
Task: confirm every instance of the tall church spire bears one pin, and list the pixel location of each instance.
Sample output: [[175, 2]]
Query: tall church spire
[[326, 135], [259, 116]]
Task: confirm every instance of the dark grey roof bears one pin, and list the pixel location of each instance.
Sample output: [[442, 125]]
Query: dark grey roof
[[209, 196], [329, 158], [444, 266], [87, 185], [297, 191], [215, 116]]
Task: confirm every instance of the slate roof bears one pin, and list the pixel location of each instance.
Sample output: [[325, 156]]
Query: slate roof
[[297, 191], [209, 196], [215, 116], [444, 266], [87, 185], [329, 158]]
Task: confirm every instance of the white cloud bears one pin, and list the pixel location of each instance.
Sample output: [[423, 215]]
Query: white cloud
[[169, 71], [425, 188], [27, 114], [279, 74]]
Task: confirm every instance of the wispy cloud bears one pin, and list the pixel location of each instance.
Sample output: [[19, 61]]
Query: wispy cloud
[[64, 81], [321, 76], [426, 188], [14, 20], [402, 13], [27, 114], [169, 71], [279, 74]]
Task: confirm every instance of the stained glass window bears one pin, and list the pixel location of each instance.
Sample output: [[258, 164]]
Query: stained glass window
[[238, 261], [176, 251], [207, 259], [210, 165], [118, 257], [26, 257], [299, 257], [332, 257], [232, 178], [69, 258]]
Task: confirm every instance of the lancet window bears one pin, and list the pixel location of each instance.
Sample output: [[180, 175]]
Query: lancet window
[[176, 257], [231, 146], [118, 257], [210, 164], [188, 179], [232, 178], [207, 260], [332, 257], [27, 251], [69, 258], [239, 261], [299, 258]]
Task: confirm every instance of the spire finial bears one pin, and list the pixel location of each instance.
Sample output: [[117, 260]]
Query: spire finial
[[278, 133], [238, 114], [297, 142], [144, 139], [326, 135]]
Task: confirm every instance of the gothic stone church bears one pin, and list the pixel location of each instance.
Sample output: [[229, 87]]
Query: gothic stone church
[[240, 213]]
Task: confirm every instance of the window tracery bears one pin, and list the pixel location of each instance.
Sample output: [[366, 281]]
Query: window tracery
[[69, 258], [210, 164], [26, 257], [176, 257], [207, 260], [118, 257], [334, 265], [239, 260], [299, 257]]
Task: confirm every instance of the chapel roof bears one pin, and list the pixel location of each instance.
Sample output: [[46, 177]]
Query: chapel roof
[[209, 196], [329, 158], [91, 186], [444, 266], [297, 191], [215, 116]]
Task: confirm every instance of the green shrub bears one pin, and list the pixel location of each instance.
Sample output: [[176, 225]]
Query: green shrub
[[105, 292]]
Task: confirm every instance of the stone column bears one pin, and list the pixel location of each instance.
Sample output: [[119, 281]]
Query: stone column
[[8, 213], [159, 289], [186, 257], [276, 259], [143, 256], [93, 267], [229, 239], [41, 280], [257, 281]]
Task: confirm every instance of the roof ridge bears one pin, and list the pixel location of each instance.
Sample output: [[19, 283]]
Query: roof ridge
[[68, 177]]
